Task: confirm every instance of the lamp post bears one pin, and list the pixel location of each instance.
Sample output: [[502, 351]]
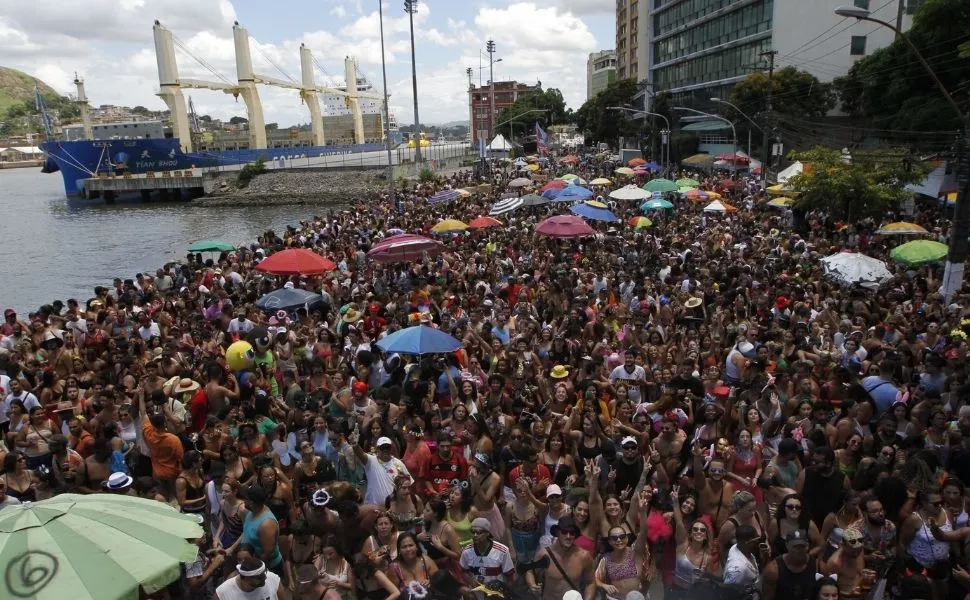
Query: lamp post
[[512, 120], [490, 47], [664, 133], [719, 118], [957, 255], [411, 7], [387, 112], [767, 150]]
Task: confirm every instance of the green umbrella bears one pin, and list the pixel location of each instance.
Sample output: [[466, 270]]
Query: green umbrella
[[686, 189], [660, 185], [918, 252], [211, 246], [534, 200], [688, 182], [569, 177], [92, 547], [658, 204]]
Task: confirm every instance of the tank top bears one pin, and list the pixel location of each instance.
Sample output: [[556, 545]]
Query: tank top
[[925, 548], [463, 528], [792, 585], [685, 573], [625, 569], [251, 536], [731, 370], [194, 497]]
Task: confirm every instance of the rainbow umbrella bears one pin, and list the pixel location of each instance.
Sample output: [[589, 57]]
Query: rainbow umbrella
[[640, 222], [901, 228]]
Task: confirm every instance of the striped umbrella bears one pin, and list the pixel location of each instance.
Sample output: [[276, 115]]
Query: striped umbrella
[[505, 206], [404, 248], [445, 196]]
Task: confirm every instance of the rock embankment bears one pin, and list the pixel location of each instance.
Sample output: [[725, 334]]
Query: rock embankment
[[297, 187]]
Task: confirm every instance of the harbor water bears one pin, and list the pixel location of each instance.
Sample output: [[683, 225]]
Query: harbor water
[[57, 250]]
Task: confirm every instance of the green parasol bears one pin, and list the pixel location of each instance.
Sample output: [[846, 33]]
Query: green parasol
[[97, 547], [919, 252], [211, 246], [688, 182], [657, 204], [660, 185]]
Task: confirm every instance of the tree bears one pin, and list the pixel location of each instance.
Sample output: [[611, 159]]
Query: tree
[[890, 87], [140, 110], [866, 184], [602, 125], [798, 93], [521, 113], [238, 120], [272, 126]]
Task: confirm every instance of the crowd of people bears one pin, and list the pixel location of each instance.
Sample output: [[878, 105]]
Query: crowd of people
[[689, 410]]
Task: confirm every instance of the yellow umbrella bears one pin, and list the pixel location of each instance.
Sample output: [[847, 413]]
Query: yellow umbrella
[[601, 181], [901, 228], [449, 226], [781, 202], [464, 193], [780, 190], [624, 171], [595, 204], [532, 167]]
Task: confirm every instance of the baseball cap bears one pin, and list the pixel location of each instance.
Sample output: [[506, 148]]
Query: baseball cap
[[553, 490], [384, 441], [798, 535], [628, 440]]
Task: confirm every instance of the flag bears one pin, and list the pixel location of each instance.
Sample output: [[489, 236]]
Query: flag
[[542, 140]]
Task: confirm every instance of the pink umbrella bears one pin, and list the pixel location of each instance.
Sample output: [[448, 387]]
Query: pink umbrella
[[564, 226], [404, 248]]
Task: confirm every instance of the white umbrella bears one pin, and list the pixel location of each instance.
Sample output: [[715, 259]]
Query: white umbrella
[[852, 268], [520, 182], [630, 192], [503, 206]]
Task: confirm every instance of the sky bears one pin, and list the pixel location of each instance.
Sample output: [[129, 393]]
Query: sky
[[109, 44]]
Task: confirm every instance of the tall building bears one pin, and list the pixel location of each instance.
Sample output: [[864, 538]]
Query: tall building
[[600, 71], [631, 39], [479, 104], [700, 48]]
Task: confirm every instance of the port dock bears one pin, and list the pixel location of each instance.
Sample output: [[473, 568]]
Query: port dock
[[168, 186]]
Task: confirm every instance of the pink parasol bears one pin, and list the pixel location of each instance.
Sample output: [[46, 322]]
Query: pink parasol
[[404, 248]]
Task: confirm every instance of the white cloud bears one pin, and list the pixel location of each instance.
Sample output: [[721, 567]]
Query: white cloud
[[339, 11], [587, 7]]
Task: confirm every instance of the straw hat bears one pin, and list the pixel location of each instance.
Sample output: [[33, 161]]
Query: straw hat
[[559, 372], [352, 315], [693, 302], [186, 385]]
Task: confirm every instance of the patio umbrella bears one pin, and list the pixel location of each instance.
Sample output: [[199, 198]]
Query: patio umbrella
[[640, 222], [780, 190], [696, 195], [296, 261], [630, 192], [505, 206], [652, 166], [289, 299], [419, 339], [449, 226], [534, 200], [520, 182], [698, 160], [93, 547], [568, 177], [555, 184], [718, 206], [781, 202], [624, 171], [573, 193], [688, 182], [593, 213], [919, 252], [901, 228], [635, 162], [532, 168], [656, 204], [601, 181], [394, 231], [463, 193], [445, 196], [483, 223], [660, 186], [564, 226], [212, 246], [852, 268], [404, 248]]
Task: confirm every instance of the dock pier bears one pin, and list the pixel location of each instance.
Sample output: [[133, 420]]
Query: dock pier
[[169, 186]]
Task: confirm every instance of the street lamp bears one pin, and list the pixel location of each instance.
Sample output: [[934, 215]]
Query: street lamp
[[411, 7], [957, 256], [719, 118], [767, 150], [490, 47], [387, 111], [664, 134], [512, 120]]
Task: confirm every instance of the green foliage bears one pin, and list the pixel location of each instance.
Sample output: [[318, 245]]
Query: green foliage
[[248, 172], [427, 175], [891, 88], [799, 94], [602, 125], [551, 101], [868, 187], [238, 120]]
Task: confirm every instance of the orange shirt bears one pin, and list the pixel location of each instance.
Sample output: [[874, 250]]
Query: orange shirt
[[166, 451]]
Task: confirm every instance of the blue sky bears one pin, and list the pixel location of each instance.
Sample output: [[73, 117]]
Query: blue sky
[[109, 42]]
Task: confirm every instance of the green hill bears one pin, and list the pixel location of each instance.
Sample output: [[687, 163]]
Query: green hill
[[17, 86]]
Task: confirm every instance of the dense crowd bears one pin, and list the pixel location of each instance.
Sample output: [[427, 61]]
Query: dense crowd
[[690, 409]]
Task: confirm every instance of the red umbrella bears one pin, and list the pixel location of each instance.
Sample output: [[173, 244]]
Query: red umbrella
[[296, 261], [564, 226], [571, 159], [635, 162], [555, 184], [729, 183], [404, 248], [483, 222]]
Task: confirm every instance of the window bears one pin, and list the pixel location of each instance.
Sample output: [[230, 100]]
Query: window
[[858, 45], [862, 4]]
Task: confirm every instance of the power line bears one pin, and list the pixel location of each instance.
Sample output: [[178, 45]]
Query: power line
[[185, 48]]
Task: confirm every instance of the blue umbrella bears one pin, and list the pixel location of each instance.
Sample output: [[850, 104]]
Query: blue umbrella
[[652, 166], [656, 204], [445, 196], [289, 299], [592, 213], [419, 339], [573, 193], [552, 193]]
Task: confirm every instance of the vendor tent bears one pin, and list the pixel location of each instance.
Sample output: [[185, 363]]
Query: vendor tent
[[499, 144]]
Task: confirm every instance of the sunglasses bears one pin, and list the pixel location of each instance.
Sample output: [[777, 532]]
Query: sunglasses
[[701, 529], [617, 538], [793, 506]]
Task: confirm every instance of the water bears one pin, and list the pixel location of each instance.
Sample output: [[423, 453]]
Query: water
[[61, 250]]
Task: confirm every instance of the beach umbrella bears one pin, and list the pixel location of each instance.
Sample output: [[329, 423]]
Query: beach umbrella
[[685, 189], [564, 226], [595, 204], [471, 191], [404, 248], [93, 547], [572, 193], [721, 207], [781, 202], [601, 181], [212, 246], [394, 231], [630, 192], [698, 160], [449, 226], [463, 193], [656, 204], [687, 182], [555, 184], [568, 177], [640, 222], [483, 223], [635, 162], [919, 252], [780, 189], [419, 339], [296, 261], [520, 182], [660, 186], [289, 299], [652, 166], [445, 196], [505, 206], [852, 268], [532, 168], [624, 171], [901, 228], [696, 195], [534, 200]]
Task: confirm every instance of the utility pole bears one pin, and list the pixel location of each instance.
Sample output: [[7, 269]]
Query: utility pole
[[411, 7], [387, 114], [468, 72], [490, 46], [899, 19], [769, 116]]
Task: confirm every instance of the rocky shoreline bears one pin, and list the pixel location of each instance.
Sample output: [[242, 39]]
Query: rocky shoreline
[[303, 187]]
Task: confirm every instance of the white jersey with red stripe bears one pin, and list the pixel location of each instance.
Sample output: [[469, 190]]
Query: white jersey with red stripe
[[491, 566]]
